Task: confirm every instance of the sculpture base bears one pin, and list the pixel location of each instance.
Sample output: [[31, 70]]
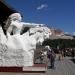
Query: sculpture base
[[35, 68]]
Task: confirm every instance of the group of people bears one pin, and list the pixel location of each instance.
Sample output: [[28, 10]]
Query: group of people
[[51, 56]]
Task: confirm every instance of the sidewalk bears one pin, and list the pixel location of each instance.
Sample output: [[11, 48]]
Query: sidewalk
[[65, 67]]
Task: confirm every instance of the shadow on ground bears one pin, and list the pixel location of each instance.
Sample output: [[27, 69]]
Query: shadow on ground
[[73, 60]]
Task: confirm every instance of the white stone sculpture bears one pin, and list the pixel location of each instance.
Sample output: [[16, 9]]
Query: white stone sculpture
[[16, 49]]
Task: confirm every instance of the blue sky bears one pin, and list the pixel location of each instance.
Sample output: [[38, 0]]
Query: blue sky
[[55, 13]]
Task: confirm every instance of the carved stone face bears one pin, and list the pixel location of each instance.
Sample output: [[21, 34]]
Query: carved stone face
[[41, 33], [13, 23], [15, 16]]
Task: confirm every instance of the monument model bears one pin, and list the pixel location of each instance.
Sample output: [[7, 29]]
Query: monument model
[[16, 45]]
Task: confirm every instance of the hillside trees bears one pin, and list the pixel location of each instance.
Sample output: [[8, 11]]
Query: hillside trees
[[62, 43]]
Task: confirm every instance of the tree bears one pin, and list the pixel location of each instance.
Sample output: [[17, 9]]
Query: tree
[[62, 43]]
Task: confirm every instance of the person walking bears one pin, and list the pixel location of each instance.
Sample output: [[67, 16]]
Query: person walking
[[72, 54], [51, 56], [52, 59]]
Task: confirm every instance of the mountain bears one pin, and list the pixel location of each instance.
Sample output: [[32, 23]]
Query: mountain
[[59, 34]]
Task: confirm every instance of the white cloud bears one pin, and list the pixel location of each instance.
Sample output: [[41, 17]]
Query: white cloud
[[42, 6]]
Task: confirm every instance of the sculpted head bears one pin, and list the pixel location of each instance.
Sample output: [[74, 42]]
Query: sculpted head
[[40, 33], [15, 16]]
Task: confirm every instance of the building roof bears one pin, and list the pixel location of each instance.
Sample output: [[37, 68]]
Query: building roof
[[5, 11]]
